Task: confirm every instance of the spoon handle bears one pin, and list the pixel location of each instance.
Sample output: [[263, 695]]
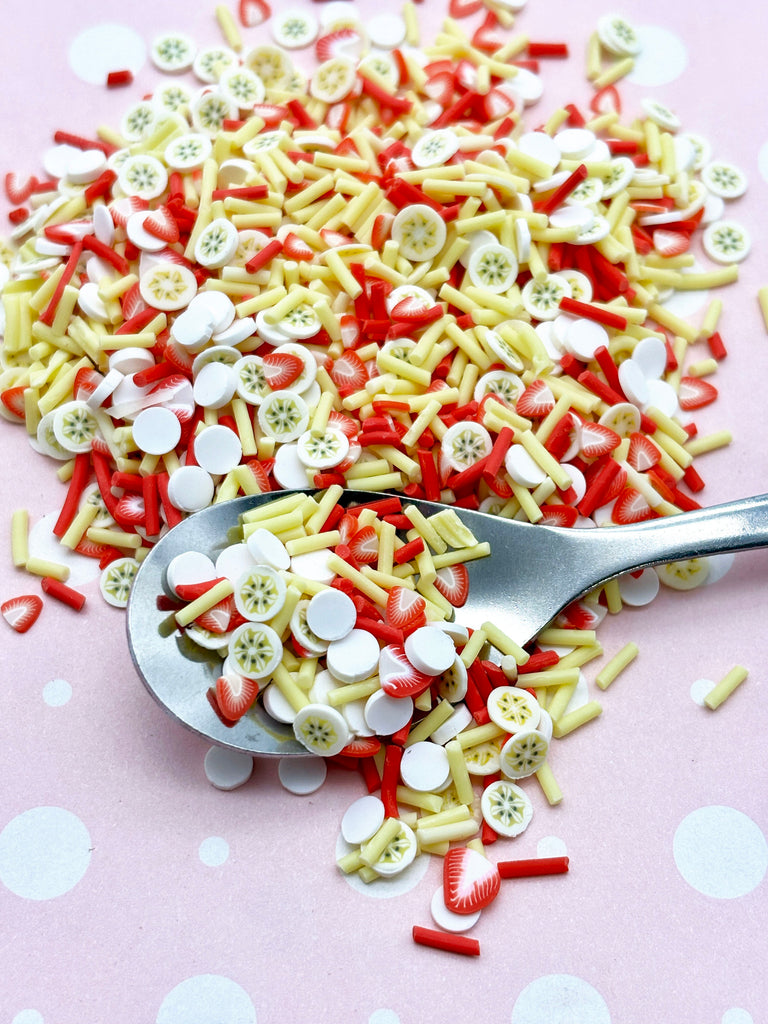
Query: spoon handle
[[734, 526]]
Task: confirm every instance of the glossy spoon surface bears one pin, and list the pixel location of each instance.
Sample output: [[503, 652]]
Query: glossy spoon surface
[[532, 573]]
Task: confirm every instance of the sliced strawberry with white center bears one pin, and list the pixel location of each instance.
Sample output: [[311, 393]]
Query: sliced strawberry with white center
[[631, 507], [558, 515], [17, 192], [13, 401], [281, 369], [86, 381], [345, 424], [347, 527], [404, 607], [643, 453], [162, 224], [452, 582], [439, 87], [132, 302], [350, 330], [348, 372], [364, 545], [382, 226], [234, 695], [464, 8], [580, 615], [412, 309], [340, 43], [253, 12], [130, 509], [470, 880], [21, 612], [296, 248], [536, 401], [694, 392], [270, 113], [398, 677], [260, 475], [671, 243], [597, 439], [218, 618], [362, 746]]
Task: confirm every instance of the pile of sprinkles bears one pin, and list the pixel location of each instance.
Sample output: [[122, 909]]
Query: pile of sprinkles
[[379, 273]]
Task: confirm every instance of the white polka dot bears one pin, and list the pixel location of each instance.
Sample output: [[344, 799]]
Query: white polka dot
[[551, 846], [44, 852], [57, 692], [384, 1017], [35, 1017], [560, 999], [384, 888], [663, 58], [104, 48], [213, 851], [207, 999], [43, 544], [720, 852], [737, 1016], [700, 689]]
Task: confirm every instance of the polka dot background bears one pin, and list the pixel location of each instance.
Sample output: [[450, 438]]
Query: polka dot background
[[131, 888]]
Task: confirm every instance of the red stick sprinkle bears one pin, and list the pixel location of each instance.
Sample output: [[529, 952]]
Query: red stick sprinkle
[[591, 312], [532, 867], [463, 944], [55, 588], [118, 78]]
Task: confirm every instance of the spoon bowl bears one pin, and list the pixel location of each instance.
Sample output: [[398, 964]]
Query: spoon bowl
[[532, 573]]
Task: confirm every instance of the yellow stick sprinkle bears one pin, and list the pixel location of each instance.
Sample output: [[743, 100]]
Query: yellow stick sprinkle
[[725, 687]]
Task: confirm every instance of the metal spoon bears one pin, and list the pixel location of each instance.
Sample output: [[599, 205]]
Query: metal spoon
[[533, 572]]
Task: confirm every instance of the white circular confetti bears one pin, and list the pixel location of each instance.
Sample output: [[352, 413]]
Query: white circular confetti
[[737, 1016], [35, 1017], [663, 56], [43, 544], [56, 693], [560, 999], [213, 851], [227, 769], [207, 999], [720, 852], [44, 852], [384, 888], [104, 48], [700, 689], [302, 775], [551, 846], [390, 1017]]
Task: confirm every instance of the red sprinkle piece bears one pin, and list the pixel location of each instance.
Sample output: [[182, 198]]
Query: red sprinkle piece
[[450, 943], [60, 591], [118, 78], [21, 612], [547, 50], [533, 866], [591, 312]]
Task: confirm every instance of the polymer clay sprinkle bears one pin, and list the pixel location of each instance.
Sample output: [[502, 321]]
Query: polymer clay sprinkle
[[469, 302]]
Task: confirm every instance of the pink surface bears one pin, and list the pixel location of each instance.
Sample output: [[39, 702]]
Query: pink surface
[[275, 933]]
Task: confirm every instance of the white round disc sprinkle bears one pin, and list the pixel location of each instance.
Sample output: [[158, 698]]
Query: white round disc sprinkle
[[584, 337], [424, 767], [362, 819], [331, 614], [130, 360], [430, 650], [215, 385], [192, 328], [355, 657], [458, 721], [640, 590], [314, 566], [156, 430], [189, 567], [633, 382], [217, 305], [278, 706], [387, 31], [541, 146], [227, 769], [233, 561], [650, 354], [522, 467], [218, 449], [190, 489], [447, 919], [302, 775], [385, 714], [267, 549], [662, 396]]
